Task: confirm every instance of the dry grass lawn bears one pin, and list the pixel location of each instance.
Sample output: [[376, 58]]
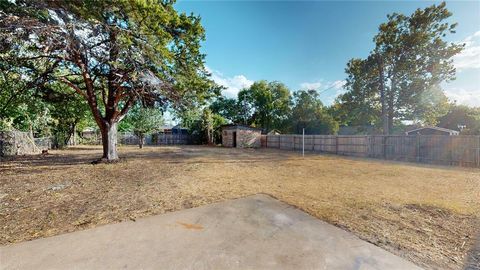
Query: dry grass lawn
[[425, 214]]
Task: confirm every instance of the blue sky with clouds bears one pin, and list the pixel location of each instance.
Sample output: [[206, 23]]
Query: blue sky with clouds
[[306, 44]]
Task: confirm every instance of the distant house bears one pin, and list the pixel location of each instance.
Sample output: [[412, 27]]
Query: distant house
[[173, 130], [432, 131], [274, 132], [241, 136]]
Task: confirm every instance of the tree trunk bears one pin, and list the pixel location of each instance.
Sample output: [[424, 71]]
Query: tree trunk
[[140, 141], [74, 142], [384, 116], [391, 102], [109, 141], [390, 121]]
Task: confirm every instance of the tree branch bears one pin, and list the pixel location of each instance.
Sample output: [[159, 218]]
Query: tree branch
[[74, 87]]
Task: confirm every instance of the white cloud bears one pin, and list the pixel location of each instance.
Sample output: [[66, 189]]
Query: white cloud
[[470, 55], [463, 96], [338, 85], [329, 90], [310, 85], [232, 84], [320, 86]]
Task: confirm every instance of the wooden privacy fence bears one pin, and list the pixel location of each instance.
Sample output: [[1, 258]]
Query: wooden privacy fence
[[129, 138], [434, 149], [154, 139]]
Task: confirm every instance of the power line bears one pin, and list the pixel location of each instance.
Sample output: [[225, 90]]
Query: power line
[[331, 87]]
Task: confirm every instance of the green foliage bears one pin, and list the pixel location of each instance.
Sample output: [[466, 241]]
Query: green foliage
[[145, 120], [229, 109], [461, 117], [112, 53], [410, 61], [269, 105], [204, 125], [359, 106], [68, 111], [217, 122], [265, 104], [308, 112], [142, 121], [20, 107]]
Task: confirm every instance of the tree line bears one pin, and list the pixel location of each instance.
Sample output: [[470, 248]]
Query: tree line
[[120, 64]]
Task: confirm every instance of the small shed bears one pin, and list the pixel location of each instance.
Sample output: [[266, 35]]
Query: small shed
[[241, 136], [432, 131]]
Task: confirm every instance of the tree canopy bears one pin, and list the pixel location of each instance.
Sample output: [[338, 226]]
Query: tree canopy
[[143, 121], [401, 78], [113, 53], [309, 113], [463, 118]]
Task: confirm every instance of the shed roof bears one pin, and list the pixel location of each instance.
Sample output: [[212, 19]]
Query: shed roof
[[446, 130], [234, 126]]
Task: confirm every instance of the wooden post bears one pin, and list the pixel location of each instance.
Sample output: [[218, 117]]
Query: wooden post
[[336, 145], [384, 146], [367, 146], [417, 152], [312, 140], [478, 152], [303, 142]]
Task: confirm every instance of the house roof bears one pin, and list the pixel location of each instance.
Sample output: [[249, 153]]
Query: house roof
[[178, 127], [274, 131], [435, 128]]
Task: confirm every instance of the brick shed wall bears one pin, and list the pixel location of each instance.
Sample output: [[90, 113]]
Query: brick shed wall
[[18, 143], [246, 137]]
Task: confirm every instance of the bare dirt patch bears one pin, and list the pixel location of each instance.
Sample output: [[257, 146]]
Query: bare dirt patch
[[425, 214]]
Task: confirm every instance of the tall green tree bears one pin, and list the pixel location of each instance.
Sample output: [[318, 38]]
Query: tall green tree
[[405, 70], [309, 113], [68, 111], [229, 108], [360, 105], [21, 107], [265, 104], [145, 120], [112, 53], [204, 125]]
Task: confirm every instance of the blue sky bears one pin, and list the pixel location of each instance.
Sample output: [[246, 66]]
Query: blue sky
[[306, 44]]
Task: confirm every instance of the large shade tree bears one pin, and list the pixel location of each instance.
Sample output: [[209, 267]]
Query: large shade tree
[[308, 113], [359, 106], [401, 77], [113, 53], [265, 104]]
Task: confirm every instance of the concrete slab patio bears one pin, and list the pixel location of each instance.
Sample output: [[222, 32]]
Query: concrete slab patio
[[256, 232]]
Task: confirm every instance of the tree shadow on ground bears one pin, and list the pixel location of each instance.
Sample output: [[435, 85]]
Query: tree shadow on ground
[[473, 259], [85, 155]]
